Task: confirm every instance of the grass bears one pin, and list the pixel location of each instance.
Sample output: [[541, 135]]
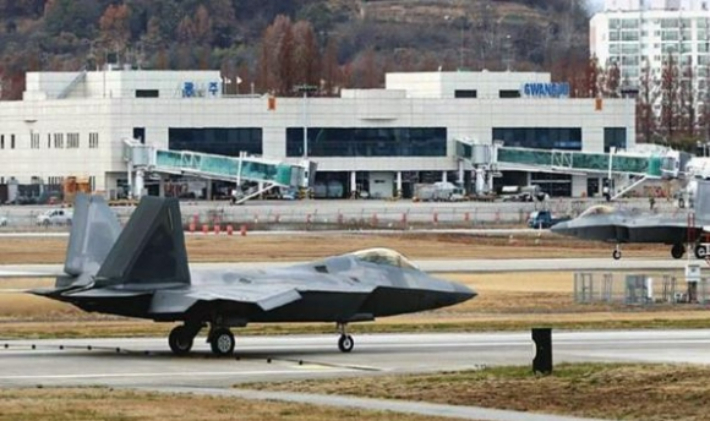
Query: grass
[[103, 404], [211, 248], [610, 391], [506, 302]]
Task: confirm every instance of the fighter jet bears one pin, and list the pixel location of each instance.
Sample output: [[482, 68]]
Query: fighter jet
[[604, 223], [142, 271]]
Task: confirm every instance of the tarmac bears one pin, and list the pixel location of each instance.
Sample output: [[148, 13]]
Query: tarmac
[[148, 364]]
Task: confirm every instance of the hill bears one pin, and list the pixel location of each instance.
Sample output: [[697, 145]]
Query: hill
[[272, 43]]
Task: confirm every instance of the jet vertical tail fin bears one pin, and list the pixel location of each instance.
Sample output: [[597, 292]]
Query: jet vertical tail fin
[[151, 248], [94, 230]]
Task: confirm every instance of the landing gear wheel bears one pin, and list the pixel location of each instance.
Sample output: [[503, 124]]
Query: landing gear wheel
[[346, 343], [700, 251], [677, 251], [180, 340], [616, 254], [222, 342]]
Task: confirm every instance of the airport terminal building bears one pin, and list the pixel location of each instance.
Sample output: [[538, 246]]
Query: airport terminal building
[[378, 140]]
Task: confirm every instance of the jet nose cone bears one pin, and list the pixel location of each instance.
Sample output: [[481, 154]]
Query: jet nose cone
[[560, 228], [463, 293]]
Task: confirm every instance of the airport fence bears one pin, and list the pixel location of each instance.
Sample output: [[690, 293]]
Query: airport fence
[[313, 214], [638, 289]]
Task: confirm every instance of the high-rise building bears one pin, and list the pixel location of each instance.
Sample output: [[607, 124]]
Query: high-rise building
[[633, 5], [639, 34]]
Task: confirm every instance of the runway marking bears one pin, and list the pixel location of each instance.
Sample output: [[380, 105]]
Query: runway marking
[[161, 374]]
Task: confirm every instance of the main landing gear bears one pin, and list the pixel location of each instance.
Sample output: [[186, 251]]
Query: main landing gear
[[346, 342], [221, 341], [182, 338], [677, 251]]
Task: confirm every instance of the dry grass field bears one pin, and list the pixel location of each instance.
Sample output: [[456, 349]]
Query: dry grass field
[[103, 404], [506, 301], [607, 391], [211, 248]]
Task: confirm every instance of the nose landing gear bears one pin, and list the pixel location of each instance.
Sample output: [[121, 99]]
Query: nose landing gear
[[677, 251], [346, 342], [616, 254]]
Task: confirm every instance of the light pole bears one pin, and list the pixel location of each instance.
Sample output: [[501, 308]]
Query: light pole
[[305, 89]]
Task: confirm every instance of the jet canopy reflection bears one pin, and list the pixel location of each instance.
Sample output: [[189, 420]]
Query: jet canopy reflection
[[385, 256], [598, 210]]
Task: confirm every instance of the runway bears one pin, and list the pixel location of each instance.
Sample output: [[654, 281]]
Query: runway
[[431, 266], [149, 363]]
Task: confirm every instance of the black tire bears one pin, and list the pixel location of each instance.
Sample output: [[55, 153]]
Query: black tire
[[677, 251], [700, 251], [346, 343], [222, 342], [180, 341], [616, 254]]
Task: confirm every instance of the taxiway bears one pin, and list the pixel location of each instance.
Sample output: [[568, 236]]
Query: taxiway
[[149, 363]]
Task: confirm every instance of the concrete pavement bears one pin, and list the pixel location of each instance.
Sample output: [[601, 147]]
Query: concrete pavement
[[148, 364]]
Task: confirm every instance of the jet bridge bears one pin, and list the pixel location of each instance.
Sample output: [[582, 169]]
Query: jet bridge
[[642, 165], [142, 159]]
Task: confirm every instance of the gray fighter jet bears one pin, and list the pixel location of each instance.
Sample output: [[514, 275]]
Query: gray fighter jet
[[142, 271], [604, 223]]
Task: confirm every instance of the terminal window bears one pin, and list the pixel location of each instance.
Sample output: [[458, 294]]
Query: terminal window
[[367, 142], [466, 93], [219, 141], [614, 137], [509, 93], [565, 138], [147, 93]]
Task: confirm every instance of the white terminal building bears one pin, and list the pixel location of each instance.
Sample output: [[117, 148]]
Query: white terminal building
[[375, 140], [637, 34]]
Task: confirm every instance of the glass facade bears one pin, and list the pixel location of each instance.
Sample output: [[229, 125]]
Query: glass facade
[[218, 141], [367, 142], [565, 138], [614, 136]]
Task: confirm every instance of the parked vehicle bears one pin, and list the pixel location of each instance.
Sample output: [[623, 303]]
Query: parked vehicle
[[3, 221], [55, 217], [441, 191], [523, 194], [544, 219]]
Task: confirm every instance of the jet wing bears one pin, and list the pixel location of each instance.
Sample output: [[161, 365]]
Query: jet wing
[[660, 229], [267, 298]]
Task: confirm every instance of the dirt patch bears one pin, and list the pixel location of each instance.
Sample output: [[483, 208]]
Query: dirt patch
[[211, 248], [630, 392], [102, 404]]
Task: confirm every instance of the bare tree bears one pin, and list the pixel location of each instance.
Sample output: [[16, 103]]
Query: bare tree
[[669, 98], [647, 97]]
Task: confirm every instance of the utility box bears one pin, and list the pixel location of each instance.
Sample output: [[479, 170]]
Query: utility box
[[692, 273]]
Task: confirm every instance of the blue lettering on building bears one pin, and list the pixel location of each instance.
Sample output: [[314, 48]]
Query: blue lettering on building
[[546, 90]]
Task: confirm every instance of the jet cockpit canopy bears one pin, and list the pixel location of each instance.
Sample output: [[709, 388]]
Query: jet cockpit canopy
[[385, 256], [598, 210]]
